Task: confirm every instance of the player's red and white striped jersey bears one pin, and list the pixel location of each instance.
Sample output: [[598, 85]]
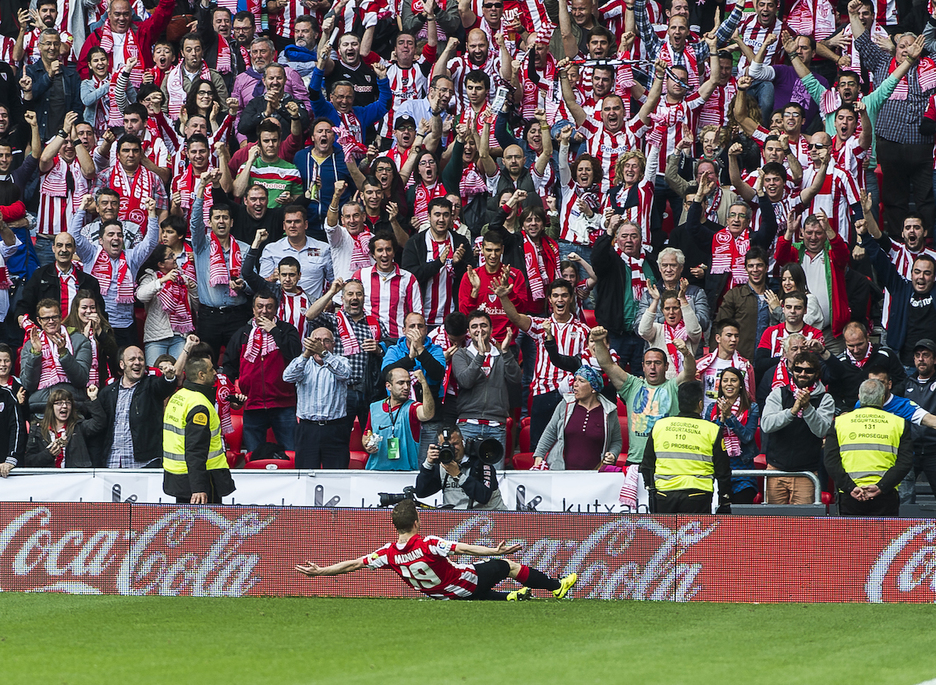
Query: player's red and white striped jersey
[[773, 337], [668, 122], [282, 24], [438, 299], [839, 190], [607, 146], [292, 309], [405, 84], [56, 201], [461, 66], [478, 123], [716, 109], [423, 563], [571, 338], [398, 156], [754, 34], [390, 297], [639, 213]]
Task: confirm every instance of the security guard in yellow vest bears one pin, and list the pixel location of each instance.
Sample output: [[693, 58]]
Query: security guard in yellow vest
[[867, 454], [684, 457], [195, 469]]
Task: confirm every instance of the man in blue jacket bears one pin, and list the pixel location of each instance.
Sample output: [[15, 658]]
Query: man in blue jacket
[[321, 166], [50, 88], [415, 352]]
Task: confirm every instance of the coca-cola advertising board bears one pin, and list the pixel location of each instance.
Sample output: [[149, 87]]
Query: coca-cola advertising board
[[233, 551]]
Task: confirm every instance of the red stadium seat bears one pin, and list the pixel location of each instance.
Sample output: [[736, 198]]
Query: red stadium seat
[[273, 464], [760, 461], [355, 445], [589, 316], [524, 440], [235, 439], [270, 436], [358, 460], [509, 446], [525, 421], [522, 461]]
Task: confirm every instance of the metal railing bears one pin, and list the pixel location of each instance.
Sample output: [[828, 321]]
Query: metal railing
[[763, 473]]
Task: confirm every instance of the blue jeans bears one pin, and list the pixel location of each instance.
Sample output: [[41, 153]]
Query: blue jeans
[[256, 422], [171, 346], [528, 348], [471, 431], [44, 251], [763, 92]]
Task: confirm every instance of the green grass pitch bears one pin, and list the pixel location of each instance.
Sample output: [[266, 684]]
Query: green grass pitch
[[61, 639]]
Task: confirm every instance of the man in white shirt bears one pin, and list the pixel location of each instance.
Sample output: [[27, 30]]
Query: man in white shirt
[[313, 255]]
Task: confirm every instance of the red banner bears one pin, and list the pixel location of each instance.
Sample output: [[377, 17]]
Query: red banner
[[217, 551]]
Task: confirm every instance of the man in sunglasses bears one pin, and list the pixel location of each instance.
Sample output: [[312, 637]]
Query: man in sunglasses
[[797, 415]]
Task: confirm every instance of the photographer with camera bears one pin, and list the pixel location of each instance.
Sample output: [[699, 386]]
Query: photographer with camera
[[464, 473]]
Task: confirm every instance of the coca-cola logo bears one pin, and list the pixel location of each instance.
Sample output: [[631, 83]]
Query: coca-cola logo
[[168, 557], [607, 559], [919, 564]]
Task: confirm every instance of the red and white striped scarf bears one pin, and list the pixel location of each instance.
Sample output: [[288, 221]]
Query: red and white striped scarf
[[94, 374], [292, 309], [175, 87], [360, 253], [425, 195], [224, 388], [539, 267], [130, 49], [259, 344], [782, 376], [715, 110], [926, 77], [732, 443], [219, 272], [4, 277], [188, 266], [670, 335], [105, 117], [132, 193], [350, 135], [349, 342], [728, 255], [636, 264], [668, 55], [103, 270], [55, 435], [859, 362], [472, 182], [52, 371], [174, 298], [439, 290], [223, 63]]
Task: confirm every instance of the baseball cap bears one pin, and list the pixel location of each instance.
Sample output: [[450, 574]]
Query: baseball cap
[[404, 121], [925, 343]]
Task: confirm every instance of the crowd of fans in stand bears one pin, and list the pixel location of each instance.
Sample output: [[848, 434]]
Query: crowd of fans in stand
[[425, 214]]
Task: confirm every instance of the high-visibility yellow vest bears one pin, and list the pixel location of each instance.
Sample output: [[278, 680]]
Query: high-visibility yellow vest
[[177, 409], [684, 449], [868, 439]]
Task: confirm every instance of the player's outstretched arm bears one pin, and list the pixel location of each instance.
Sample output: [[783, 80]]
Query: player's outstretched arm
[[312, 570], [482, 551]]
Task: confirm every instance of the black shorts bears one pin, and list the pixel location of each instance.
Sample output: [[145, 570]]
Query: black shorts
[[490, 573]]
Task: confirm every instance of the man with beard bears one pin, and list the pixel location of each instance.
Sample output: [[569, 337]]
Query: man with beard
[[133, 405], [357, 337], [477, 55], [321, 166], [116, 268], [797, 416], [272, 103], [747, 303], [301, 55], [31, 24]]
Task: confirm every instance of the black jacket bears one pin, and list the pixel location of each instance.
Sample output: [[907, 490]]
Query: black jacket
[[842, 378], [474, 489], [415, 261], [13, 424], [44, 283], [77, 454], [146, 415], [609, 291]]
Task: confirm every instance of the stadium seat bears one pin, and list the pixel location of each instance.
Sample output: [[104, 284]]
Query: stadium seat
[[358, 460], [588, 315], [522, 461], [508, 448], [270, 436], [355, 445], [235, 438], [524, 439], [760, 461], [273, 464]]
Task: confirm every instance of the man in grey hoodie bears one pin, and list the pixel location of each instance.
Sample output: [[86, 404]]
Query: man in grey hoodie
[[485, 373]]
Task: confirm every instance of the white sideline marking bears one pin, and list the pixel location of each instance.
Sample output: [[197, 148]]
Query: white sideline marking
[[928, 682]]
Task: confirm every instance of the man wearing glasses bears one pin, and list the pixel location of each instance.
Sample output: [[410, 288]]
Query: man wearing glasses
[[797, 416], [50, 87], [435, 104], [52, 358]]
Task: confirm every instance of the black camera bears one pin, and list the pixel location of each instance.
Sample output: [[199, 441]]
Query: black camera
[[389, 499], [446, 451]]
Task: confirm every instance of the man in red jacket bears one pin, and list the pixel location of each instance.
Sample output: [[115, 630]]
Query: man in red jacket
[[823, 255], [257, 354], [478, 285], [122, 39]]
